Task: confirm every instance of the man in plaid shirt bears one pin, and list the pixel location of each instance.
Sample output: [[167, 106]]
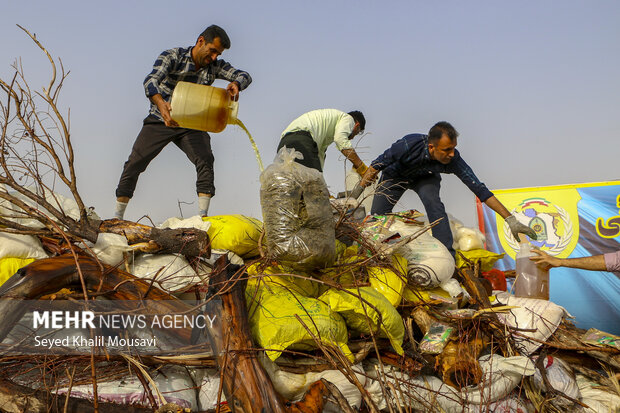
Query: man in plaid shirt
[[416, 162], [196, 64]]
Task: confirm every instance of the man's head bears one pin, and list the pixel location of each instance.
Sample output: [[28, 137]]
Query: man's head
[[442, 141], [360, 123], [210, 44]]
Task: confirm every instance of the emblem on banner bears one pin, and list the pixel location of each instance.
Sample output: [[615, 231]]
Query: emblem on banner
[[552, 224]]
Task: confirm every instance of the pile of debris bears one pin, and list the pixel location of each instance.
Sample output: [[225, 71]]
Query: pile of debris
[[317, 308], [390, 325]]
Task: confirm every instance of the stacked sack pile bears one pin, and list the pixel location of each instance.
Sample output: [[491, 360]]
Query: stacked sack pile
[[393, 288], [377, 307]]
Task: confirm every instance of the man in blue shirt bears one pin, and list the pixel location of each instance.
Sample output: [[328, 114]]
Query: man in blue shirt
[[416, 162], [195, 64]]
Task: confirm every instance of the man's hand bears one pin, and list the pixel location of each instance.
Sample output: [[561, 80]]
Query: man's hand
[[165, 113], [545, 261], [518, 228], [233, 90], [165, 109], [369, 177]]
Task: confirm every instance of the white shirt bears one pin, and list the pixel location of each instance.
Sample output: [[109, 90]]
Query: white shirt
[[325, 126]]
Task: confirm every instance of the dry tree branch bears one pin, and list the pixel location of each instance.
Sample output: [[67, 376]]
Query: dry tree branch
[[36, 155]]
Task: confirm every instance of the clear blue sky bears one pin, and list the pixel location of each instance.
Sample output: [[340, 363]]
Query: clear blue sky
[[533, 87]]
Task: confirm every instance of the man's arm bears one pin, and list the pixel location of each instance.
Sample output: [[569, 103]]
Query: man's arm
[[497, 206], [352, 156], [460, 168], [161, 68], [546, 261], [164, 108], [391, 155], [239, 79], [515, 226], [369, 177]]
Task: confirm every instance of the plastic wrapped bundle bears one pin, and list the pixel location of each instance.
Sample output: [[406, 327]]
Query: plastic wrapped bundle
[[297, 214]]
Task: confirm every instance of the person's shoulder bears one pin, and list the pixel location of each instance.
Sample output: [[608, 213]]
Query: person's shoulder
[[176, 51], [328, 111], [414, 138]]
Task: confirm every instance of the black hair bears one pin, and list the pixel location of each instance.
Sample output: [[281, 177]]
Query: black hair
[[214, 31], [359, 118], [442, 128]]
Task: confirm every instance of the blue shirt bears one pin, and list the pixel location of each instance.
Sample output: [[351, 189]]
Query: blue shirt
[[408, 159], [176, 65]]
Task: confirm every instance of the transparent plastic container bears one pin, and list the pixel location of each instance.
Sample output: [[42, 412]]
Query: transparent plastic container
[[530, 281], [203, 107]]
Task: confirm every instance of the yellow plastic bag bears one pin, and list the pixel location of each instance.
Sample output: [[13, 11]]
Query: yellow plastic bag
[[348, 270], [416, 296], [486, 258], [348, 304], [236, 233], [10, 265], [274, 325], [281, 276], [341, 247], [387, 282]]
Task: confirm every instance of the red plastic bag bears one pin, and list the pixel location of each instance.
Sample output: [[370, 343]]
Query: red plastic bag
[[496, 278]]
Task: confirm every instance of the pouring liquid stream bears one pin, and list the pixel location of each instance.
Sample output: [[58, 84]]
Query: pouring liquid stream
[[256, 152]]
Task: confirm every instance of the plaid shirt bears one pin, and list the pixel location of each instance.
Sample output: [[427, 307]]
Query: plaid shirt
[[408, 159], [176, 65]]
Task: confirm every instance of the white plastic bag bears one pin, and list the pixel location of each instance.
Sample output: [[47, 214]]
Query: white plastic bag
[[469, 239]]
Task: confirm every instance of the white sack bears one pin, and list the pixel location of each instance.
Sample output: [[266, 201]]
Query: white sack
[[561, 378], [174, 382], [430, 262], [500, 377], [175, 273], [293, 386], [207, 398], [453, 288], [540, 315], [193, 222], [20, 246], [66, 205], [598, 400], [109, 248]]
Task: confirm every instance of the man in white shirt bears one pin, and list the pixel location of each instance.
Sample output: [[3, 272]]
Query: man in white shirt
[[313, 132]]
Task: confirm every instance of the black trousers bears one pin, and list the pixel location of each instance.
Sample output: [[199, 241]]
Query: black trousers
[[302, 142], [153, 137]]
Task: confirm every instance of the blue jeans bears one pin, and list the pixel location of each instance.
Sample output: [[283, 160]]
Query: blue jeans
[[390, 190]]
